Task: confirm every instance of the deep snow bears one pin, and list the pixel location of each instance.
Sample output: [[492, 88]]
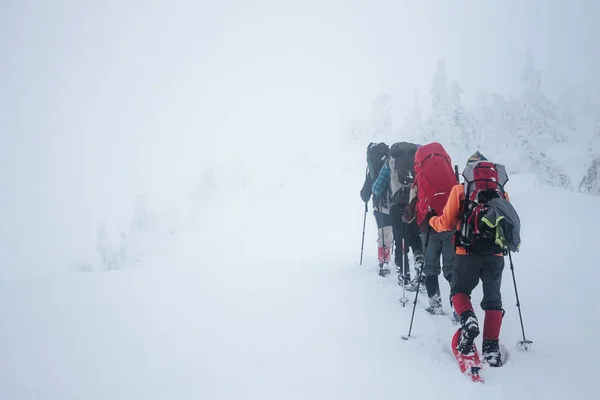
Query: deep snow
[[279, 308]]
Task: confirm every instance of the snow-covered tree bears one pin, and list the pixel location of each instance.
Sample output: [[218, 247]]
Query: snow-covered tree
[[381, 117], [414, 126], [566, 111], [439, 90], [482, 117], [590, 102], [378, 125], [356, 130], [143, 220], [440, 123], [525, 133], [461, 122], [548, 172], [538, 116], [591, 182], [109, 258]]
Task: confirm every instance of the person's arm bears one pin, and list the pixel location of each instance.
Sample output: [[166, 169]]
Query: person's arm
[[449, 218], [365, 192]]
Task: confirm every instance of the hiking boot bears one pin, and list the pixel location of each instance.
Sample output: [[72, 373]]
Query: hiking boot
[[418, 257], [404, 280], [469, 331], [414, 283], [491, 353], [398, 270], [435, 305], [384, 270]]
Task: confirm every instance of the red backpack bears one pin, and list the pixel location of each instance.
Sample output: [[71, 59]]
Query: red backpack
[[484, 180], [434, 179]]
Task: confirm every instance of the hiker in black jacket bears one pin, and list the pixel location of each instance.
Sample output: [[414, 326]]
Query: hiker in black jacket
[[376, 156]]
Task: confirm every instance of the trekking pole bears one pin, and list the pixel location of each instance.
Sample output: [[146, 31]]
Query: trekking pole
[[404, 299], [381, 224], [418, 286], [524, 343], [364, 221], [362, 246], [380, 219]]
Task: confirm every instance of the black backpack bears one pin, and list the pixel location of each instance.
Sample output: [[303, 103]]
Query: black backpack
[[402, 170], [376, 156]]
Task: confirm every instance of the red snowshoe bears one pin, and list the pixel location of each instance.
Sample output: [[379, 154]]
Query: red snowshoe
[[469, 364]]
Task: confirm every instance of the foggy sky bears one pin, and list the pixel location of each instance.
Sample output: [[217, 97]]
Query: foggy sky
[[103, 100]]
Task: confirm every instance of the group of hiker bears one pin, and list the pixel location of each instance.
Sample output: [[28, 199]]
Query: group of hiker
[[420, 205]]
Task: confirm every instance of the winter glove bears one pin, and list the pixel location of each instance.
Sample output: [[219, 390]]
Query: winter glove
[[365, 194], [430, 214]]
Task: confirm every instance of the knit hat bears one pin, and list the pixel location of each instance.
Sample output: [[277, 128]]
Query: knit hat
[[476, 157]]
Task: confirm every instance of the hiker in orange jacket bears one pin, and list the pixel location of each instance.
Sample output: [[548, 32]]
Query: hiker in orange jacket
[[469, 267]]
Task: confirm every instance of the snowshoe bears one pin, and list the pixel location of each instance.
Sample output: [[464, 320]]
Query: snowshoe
[[469, 364]]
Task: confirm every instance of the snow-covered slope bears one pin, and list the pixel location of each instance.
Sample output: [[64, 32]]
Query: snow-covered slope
[[278, 307]]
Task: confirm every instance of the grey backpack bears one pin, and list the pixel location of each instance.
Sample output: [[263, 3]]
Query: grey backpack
[[402, 170]]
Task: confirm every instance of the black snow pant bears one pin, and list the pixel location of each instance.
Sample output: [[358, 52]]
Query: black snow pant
[[410, 233], [382, 219], [467, 270], [440, 244]]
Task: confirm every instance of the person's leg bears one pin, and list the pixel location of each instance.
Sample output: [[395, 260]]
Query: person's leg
[[388, 235], [491, 279], [414, 240], [447, 244], [447, 251], [465, 277], [432, 269], [380, 237], [396, 222], [397, 225], [388, 239], [431, 266]]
